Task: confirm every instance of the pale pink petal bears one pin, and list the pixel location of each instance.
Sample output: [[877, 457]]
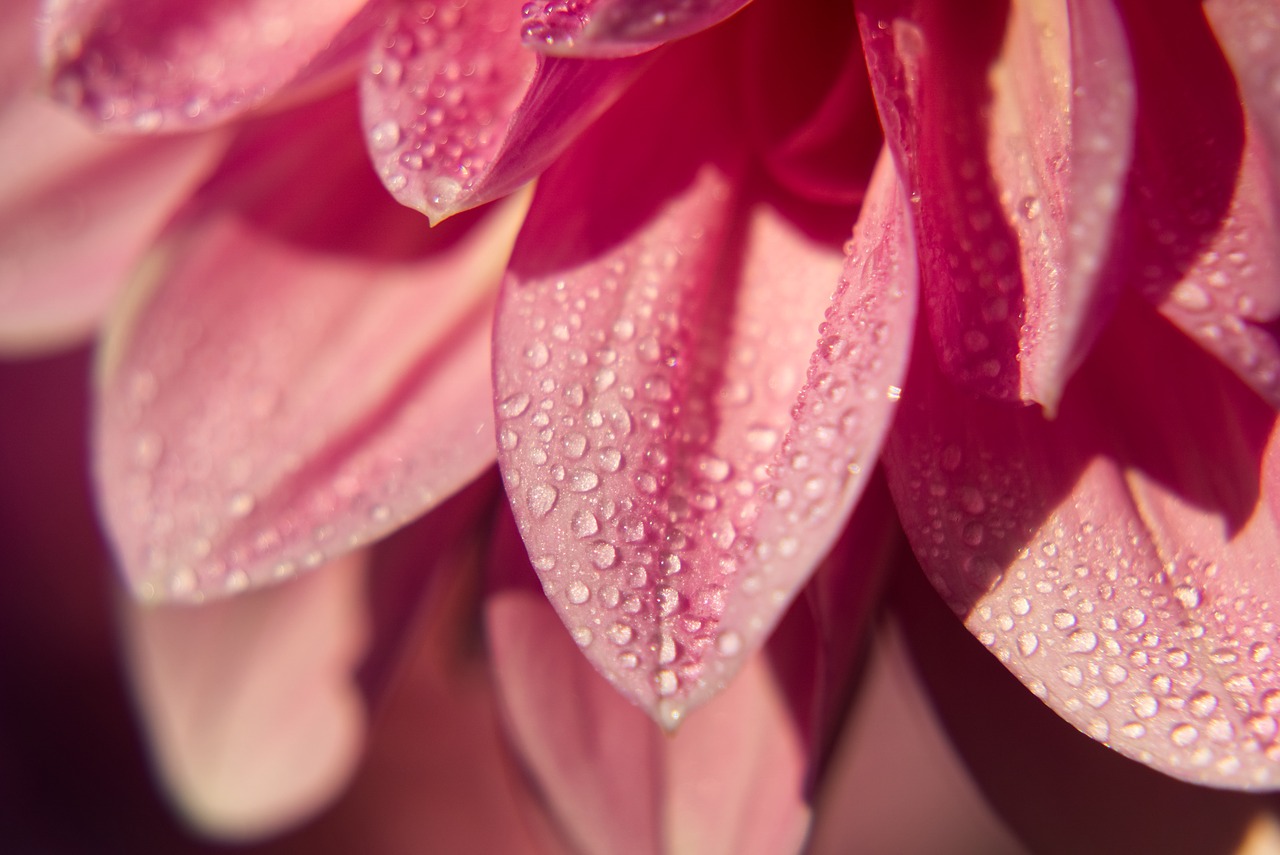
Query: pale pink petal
[[731, 780], [304, 369], [147, 65], [458, 112], [76, 211], [1202, 218], [678, 451], [1249, 33], [1118, 559], [250, 704], [613, 28], [982, 112], [814, 122], [434, 765], [894, 765]]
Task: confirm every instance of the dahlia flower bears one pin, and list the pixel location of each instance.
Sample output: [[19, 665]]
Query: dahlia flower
[[794, 279]]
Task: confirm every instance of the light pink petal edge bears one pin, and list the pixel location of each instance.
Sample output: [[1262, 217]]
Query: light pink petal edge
[[616, 28], [250, 705]]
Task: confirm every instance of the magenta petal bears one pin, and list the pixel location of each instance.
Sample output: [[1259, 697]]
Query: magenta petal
[[678, 453], [731, 780], [614, 28], [147, 65], [251, 705], [1128, 583], [308, 370], [458, 112], [999, 219], [815, 121]]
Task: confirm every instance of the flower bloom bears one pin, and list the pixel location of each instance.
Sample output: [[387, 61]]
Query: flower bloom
[[1052, 328]]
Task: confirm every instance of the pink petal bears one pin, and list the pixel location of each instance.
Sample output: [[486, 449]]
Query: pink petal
[[731, 780], [814, 121], [613, 28], [146, 65], [76, 211], [1203, 234], [678, 455], [1013, 135], [1119, 559], [306, 371], [458, 112], [250, 703], [1249, 33], [896, 763]]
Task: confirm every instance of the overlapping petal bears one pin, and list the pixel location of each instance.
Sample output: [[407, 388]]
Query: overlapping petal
[[251, 703], [76, 211], [1201, 223], [148, 65], [678, 452], [1012, 129], [814, 123], [1122, 580], [304, 370], [741, 775], [458, 112]]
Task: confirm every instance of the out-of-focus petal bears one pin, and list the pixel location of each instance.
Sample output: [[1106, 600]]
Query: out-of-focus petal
[[148, 65], [814, 122], [895, 764], [614, 28], [458, 112], [76, 211], [1123, 580], [305, 369], [1013, 141], [679, 453], [731, 780], [251, 705], [1201, 223]]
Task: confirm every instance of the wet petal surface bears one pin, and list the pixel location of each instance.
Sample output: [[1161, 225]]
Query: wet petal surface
[[1014, 176], [1122, 580], [458, 112], [306, 371], [678, 451], [613, 28], [147, 65]]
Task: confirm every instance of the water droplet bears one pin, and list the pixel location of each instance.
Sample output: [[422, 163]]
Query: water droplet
[[1145, 706], [668, 601], [537, 354], [582, 636], [604, 555], [666, 650], [583, 480], [585, 524], [575, 445], [578, 593], [620, 634], [1184, 735], [241, 505], [385, 135], [1202, 704], [1064, 619], [514, 406], [762, 438], [542, 498], [1188, 595], [1082, 641], [729, 643], [667, 682]]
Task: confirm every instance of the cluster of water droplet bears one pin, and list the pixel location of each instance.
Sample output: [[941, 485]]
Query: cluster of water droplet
[[442, 82], [1157, 659], [553, 23]]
